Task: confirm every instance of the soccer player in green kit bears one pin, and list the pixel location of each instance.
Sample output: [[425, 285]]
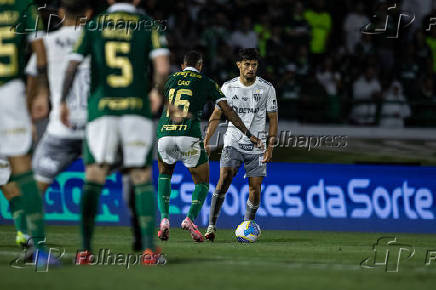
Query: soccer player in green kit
[[188, 91], [120, 43], [19, 22]]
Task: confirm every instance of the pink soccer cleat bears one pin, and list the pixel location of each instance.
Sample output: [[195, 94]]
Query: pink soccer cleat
[[188, 225], [164, 231]]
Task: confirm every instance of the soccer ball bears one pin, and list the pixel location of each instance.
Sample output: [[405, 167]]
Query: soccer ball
[[247, 232]]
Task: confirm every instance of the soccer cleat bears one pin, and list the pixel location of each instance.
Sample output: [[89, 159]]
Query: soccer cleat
[[83, 258], [23, 240], [188, 225], [164, 232], [153, 258], [210, 233]]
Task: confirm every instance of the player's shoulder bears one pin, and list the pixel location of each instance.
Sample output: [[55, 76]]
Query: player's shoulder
[[232, 82], [264, 83]]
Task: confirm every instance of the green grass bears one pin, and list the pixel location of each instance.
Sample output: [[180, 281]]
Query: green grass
[[279, 260]]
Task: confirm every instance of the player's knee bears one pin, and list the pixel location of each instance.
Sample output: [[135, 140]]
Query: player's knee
[[96, 173], [227, 176], [141, 176]]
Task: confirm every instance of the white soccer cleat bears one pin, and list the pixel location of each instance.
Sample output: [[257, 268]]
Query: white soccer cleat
[[210, 233], [164, 231]]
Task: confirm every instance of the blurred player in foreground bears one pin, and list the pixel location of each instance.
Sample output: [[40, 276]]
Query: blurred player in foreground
[[22, 192], [188, 90], [119, 113], [254, 99], [61, 145]]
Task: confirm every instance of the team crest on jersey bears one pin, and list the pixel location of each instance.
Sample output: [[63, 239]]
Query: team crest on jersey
[[257, 95]]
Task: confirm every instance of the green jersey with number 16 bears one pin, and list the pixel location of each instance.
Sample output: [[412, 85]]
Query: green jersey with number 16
[[188, 91]]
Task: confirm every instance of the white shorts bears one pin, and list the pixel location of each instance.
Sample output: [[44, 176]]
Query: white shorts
[[189, 150], [15, 121], [131, 134], [5, 171]]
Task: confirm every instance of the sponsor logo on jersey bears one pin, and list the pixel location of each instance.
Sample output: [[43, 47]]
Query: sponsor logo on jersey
[[193, 152], [120, 104], [174, 127], [235, 97], [245, 110], [244, 99], [246, 147]]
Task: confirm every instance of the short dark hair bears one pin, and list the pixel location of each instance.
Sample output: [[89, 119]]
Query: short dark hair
[[192, 58], [248, 54], [75, 7], [124, 1]]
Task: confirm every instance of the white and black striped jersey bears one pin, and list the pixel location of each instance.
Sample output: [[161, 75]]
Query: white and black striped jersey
[[251, 104], [59, 45]]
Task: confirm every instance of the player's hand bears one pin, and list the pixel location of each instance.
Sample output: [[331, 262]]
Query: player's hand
[[65, 115], [267, 156], [207, 147], [40, 107], [156, 100], [257, 142]]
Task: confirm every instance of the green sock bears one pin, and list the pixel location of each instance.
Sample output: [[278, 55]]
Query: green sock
[[33, 207], [145, 209], [18, 214], [89, 207], [164, 192], [198, 197]]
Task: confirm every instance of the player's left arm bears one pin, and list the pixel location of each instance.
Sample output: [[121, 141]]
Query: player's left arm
[[80, 51], [161, 67], [273, 122]]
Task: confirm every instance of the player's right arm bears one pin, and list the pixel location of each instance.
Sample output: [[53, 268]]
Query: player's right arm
[[214, 121], [32, 22]]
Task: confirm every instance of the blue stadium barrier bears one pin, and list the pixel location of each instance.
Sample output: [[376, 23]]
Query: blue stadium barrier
[[294, 197]]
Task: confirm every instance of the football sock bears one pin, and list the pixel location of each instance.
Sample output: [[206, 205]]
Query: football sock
[[145, 209], [18, 214], [250, 212], [33, 207], [164, 192], [215, 206], [89, 207], [198, 197]]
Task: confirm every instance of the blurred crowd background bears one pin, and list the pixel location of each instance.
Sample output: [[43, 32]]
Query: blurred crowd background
[[325, 70]]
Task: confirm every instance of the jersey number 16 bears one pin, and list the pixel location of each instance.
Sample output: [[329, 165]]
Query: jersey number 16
[[178, 102]]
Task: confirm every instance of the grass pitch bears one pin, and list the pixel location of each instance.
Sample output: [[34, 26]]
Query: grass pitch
[[279, 260]]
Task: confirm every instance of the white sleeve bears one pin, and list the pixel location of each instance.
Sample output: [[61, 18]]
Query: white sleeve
[[224, 91], [31, 69], [271, 105]]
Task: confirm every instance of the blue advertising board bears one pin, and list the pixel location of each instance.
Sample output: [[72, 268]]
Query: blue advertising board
[[294, 197]]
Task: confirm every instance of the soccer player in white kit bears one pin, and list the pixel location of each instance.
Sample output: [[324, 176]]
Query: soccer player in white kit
[[254, 100], [61, 145]]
